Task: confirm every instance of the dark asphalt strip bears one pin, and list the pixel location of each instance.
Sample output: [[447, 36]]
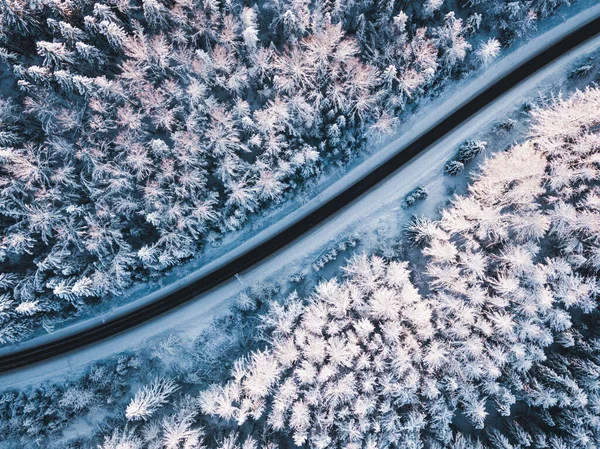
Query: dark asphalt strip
[[23, 357]]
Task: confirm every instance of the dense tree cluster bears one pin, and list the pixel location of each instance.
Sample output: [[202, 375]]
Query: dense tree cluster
[[28, 418], [132, 133], [133, 389], [511, 265]]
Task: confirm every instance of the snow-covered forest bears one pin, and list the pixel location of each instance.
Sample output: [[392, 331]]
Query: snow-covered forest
[[135, 133], [485, 339], [498, 349]]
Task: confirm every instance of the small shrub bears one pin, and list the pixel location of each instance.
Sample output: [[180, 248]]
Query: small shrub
[[453, 168], [413, 196], [246, 302], [580, 71], [528, 106], [332, 253], [505, 126], [296, 278], [468, 150]]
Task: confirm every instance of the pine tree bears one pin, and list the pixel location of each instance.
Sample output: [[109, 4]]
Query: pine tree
[[149, 398]]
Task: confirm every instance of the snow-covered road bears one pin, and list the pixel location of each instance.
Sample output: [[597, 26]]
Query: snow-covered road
[[192, 317]]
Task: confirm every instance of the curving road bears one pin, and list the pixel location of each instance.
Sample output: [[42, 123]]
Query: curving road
[[53, 345]]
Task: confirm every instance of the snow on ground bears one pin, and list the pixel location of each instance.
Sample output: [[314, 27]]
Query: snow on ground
[[381, 206], [259, 229]]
